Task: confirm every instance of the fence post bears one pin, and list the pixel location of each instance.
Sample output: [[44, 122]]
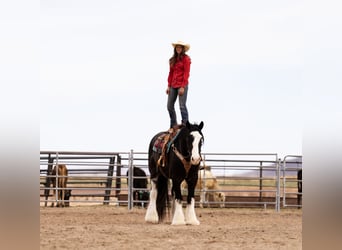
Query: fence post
[[278, 185], [109, 181], [48, 179], [130, 180], [260, 182], [57, 186], [118, 176]]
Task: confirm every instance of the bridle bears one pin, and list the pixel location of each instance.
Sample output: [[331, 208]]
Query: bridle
[[186, 164]]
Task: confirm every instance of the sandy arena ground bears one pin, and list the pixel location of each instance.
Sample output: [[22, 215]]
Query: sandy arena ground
[[109, 227]]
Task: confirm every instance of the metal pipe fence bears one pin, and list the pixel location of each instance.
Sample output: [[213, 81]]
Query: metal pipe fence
[[252, 180], [291, 165]]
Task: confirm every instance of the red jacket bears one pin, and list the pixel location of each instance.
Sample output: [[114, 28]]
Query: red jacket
[[179, 73]]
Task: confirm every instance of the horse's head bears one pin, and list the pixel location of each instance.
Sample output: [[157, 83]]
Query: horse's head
[[194, 142]]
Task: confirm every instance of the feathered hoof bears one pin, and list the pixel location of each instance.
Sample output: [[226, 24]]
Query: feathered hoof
[[151, 215], [178, 223], [194, 222], [151, 219]]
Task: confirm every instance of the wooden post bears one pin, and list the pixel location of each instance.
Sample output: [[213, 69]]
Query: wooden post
[[48, 179], [260, 182], [109, 181], [118, 176]]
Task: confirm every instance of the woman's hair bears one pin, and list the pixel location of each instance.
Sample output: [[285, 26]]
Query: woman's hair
[[176, 57]]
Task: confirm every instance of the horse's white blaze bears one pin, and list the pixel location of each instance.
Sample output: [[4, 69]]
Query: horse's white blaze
[[195, 155], [151, 213], [178, 216], [190, 215]]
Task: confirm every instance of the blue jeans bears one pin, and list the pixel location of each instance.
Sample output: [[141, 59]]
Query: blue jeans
[[172, 97]]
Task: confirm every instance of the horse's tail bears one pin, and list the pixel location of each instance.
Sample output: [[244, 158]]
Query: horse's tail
[[162, 196]]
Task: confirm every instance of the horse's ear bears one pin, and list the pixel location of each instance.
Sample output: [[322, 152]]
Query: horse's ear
[[201, 125]]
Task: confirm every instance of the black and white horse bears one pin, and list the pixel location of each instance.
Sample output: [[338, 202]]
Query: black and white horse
[[182, 163]]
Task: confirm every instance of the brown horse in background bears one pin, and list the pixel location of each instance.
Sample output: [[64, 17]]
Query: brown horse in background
[[60, 177]]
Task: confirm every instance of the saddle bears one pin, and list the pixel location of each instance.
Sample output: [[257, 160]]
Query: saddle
[[162, 144]]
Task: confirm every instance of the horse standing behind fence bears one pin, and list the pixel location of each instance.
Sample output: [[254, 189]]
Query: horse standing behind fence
[[60, 173], [140, 186], [181, 163], [300, 187], [208, 185]]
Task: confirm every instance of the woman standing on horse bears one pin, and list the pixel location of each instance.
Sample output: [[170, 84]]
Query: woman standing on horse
[[178, 82]]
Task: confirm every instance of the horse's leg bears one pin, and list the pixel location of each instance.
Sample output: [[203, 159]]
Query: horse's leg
[[63, 182], [62, 198], [135, 197], [222, 197], [59, 197], [178, 216], [58, 192], [151, 212], [202, 198], [54, 196], [190, 215], [207, 198]]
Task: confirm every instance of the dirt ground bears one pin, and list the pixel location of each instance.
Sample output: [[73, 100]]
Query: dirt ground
[[110, 227]]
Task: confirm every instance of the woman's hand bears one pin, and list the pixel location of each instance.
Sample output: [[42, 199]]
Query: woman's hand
[[168, 90], [180, 91]]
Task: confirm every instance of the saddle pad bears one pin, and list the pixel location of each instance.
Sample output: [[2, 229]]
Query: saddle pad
[[158, 144]]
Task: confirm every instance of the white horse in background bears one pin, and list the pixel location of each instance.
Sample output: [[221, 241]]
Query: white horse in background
[[207, 182], [208, 185]]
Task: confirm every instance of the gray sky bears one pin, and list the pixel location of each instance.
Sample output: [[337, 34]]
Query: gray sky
[[104, 67]]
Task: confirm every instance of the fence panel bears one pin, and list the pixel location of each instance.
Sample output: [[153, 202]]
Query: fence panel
[[92, 175], [247, 180], [291, 165]]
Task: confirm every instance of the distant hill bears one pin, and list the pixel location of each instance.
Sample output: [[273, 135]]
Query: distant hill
[[268, 171], [291, 170]]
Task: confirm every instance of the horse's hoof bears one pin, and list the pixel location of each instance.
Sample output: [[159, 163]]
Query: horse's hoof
[[195, 222], [151, 217], [153, 221], [177, 223]]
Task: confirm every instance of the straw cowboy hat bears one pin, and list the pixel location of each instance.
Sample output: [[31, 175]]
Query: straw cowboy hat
[[186, 46]]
